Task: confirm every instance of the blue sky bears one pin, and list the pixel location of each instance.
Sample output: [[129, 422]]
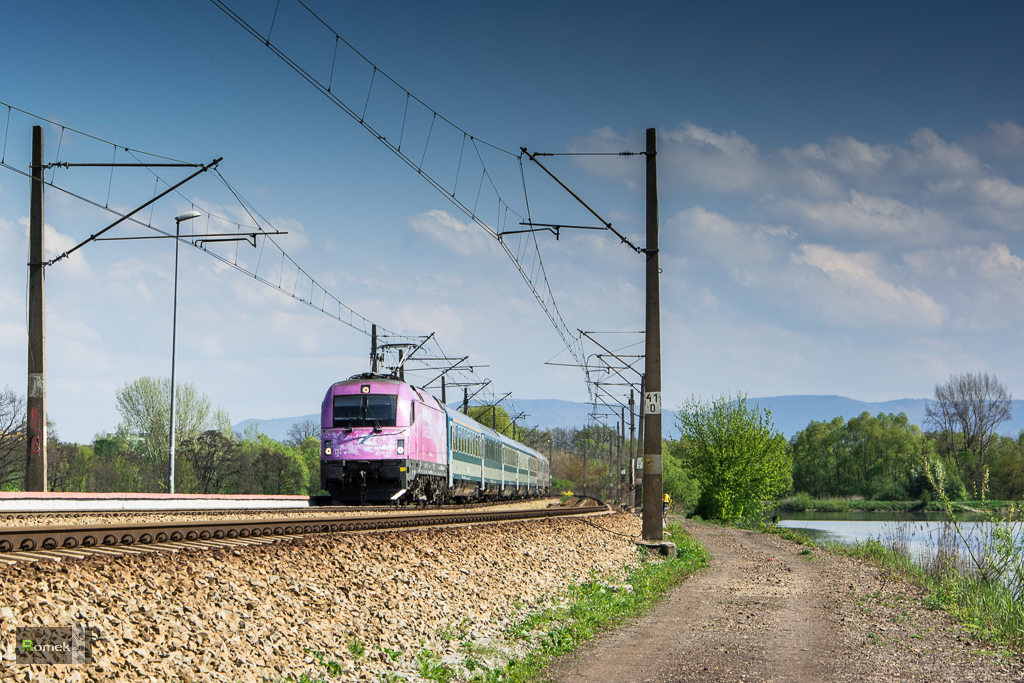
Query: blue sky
[[841, 193]]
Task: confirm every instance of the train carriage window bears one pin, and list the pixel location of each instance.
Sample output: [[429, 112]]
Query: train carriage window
[[365, 410]]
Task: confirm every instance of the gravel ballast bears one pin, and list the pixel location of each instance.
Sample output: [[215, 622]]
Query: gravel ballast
[[250, 613]]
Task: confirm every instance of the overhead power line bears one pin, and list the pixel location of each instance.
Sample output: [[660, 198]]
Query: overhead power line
[[301, 281], [445, 155]]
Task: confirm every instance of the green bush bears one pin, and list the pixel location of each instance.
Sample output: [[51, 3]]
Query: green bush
[[800, 502], [561, 485], [833, 505], [738, 456]]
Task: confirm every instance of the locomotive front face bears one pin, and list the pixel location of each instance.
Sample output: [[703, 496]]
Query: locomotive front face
[[366, 437]]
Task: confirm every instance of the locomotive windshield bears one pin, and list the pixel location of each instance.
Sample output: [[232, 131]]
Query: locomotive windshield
[[365, 410]]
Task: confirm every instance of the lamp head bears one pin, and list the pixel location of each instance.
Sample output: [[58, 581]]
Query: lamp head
[[187, 216]]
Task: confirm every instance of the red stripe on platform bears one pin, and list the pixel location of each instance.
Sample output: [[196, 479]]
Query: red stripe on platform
[[53, 495]]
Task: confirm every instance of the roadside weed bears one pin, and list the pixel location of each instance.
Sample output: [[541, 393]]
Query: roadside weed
[[430, 667], [356, 649]]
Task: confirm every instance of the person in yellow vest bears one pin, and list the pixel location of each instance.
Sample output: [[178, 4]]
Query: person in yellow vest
[[668, 502]]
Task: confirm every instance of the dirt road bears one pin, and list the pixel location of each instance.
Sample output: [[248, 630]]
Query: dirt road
[[765, 612]]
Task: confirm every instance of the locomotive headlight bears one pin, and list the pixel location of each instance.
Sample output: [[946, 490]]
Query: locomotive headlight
[[401, 447], [327, 446]]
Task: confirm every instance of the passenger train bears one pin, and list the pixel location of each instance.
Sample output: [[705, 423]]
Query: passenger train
[[383, 440]]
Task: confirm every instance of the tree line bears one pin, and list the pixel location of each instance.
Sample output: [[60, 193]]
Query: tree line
[[886, 457], [728, 460], [210, 458]]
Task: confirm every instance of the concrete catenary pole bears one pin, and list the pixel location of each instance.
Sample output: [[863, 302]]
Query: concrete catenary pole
[[621, 474], [632, 453], [652, 521], [640, 451], [35, 465]]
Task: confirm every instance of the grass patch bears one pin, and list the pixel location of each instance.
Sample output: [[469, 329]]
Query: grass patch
[[988, 609], [794, 535]]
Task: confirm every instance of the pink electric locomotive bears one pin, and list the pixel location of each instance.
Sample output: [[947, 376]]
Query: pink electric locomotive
[[383, 440]]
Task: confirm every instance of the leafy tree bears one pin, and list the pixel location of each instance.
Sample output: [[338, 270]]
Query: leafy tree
[[67, 468], [877, 457], [267, 467], [300, 431], [1007, 476], [310, 451], [493, 416], [737, 455], [970, 407], [820, 453], [208, 456], [115, 464], [145, 407], [13, 449], [676, 479]]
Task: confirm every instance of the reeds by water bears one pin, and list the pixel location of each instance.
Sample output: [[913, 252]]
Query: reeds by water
[[975, 571]]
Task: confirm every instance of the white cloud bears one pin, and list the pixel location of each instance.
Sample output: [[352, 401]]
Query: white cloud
[[881, 220], [9, 237], [928, 154], [706, 299], [850, 156], [451, 233], [690, 154], [986, 281], [856, 288], [816, 282], [917, 192], [297, 237], [56, 243], [424, 318], [130, 279], [731, 241], [1000, 192]]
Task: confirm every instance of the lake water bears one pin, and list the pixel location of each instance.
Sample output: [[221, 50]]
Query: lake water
[[921, 532]]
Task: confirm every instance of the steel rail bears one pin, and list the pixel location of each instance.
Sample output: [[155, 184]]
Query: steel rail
[[28, 539], [314, 509]]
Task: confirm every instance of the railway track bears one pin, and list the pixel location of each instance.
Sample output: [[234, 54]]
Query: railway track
[[315, 509], [55, 542]]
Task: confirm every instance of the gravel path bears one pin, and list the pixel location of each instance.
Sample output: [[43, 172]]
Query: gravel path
[[765, 612]]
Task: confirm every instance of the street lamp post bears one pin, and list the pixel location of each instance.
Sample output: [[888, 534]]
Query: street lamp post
[[174, 332]]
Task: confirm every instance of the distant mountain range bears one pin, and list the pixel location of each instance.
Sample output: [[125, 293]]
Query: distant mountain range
[[789, 413]]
